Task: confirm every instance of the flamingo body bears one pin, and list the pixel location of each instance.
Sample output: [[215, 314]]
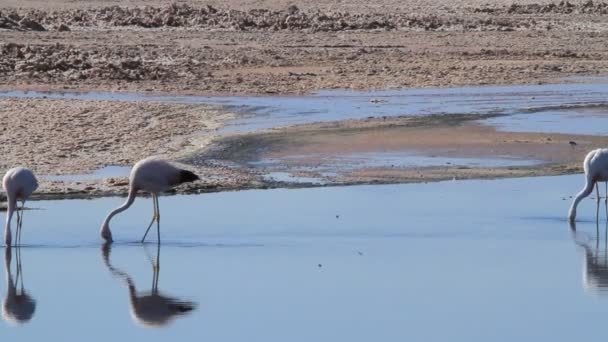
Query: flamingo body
[[19, 183], [596, 170], [154, 176], [153, 309]]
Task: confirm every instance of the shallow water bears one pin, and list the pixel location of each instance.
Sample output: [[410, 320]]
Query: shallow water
[[464, 260], [291, 178], [398, 159], [272, 111], [103, 172], [584, 121]]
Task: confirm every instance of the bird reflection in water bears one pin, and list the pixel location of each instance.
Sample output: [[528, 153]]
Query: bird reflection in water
[[151, 308], [18, 306], [595, 268]]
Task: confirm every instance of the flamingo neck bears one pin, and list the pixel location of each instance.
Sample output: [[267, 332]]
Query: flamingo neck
[[10, 287], [12, 203], [123, 207], [582, 194]]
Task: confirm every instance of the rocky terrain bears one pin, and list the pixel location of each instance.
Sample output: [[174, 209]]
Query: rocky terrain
[[282, 47]]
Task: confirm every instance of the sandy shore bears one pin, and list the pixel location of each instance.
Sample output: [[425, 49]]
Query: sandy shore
[[66, 137], [58, 137]]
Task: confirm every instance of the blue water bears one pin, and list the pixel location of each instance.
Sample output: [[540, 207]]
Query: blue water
[[457, 260], [348, 162], [584, 121]]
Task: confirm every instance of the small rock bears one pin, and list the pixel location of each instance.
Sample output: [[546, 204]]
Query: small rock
[[63, 28], [31, 25], [292, 9]]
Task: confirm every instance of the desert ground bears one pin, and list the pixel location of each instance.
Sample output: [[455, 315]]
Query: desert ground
[[278, 47]]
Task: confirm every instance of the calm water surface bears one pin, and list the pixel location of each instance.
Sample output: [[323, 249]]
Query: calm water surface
[[460, 261]]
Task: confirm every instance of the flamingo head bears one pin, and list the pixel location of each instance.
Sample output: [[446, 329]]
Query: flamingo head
[[7, 236], [106, 234]]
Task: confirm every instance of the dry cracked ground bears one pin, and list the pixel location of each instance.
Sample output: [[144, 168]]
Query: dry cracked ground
[[257, 47]]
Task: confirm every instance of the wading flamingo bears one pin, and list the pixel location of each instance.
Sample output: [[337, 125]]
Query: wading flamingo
[[18, 307], [596, 170], [154, 176], [151, 308], [19, 183]]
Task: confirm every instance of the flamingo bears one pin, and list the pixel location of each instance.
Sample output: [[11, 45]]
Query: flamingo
[[154, 176], [596, 170], [152, 308], [18, 306], [19, 183]]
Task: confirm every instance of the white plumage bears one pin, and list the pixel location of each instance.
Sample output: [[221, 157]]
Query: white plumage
[[596, 170], [154, 176], [19, 183]]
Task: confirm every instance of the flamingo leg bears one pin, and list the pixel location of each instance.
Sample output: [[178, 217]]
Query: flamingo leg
[[20, 269], [18, 234], [154, 217], [18, 214], [157, 220], [597, 191], [157, 266]]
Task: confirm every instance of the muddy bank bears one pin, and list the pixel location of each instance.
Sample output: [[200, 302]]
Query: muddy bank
[[392, 150], [367, 151]]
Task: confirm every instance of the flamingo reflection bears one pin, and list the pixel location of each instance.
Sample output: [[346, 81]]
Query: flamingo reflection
[[150, 308], [18, 306], [595, 268]]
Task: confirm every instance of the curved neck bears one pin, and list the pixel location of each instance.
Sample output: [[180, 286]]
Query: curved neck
[[106, 250], [12, 204], [582, 194], [123, 207]]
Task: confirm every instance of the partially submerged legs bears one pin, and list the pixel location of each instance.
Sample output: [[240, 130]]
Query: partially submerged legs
[[155, 217]]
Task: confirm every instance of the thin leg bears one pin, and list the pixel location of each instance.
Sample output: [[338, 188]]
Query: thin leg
[[19, 214], [18, 237], [157, 266], [597, 220], [19, 276], [154, 217], [157, 220], [19, 268], [597, 191], [16, 242]]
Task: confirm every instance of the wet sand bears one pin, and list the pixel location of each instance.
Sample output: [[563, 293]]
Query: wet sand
[[317, 149], [64, 137]]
